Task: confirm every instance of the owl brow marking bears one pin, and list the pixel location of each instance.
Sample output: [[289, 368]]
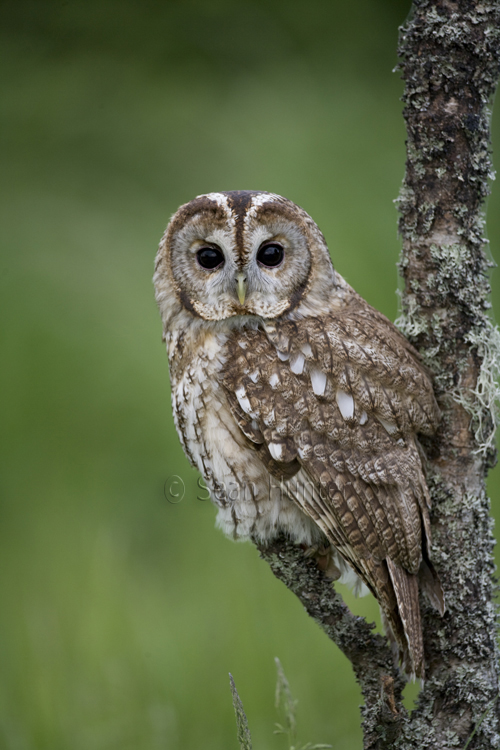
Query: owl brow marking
[[239, 202], [201, 204]]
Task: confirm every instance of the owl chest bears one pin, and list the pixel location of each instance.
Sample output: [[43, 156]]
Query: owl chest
[[209, 435], [195, 399], [251, 503]]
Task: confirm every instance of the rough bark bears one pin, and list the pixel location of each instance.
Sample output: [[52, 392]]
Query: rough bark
[[450, 64], [450, 53]]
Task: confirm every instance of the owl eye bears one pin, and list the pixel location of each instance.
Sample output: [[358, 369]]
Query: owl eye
[[270, 254], [210, 257]]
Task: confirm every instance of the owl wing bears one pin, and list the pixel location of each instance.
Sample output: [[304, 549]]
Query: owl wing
[[341, 399]]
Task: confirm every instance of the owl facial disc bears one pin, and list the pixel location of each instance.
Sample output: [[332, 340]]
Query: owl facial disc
[[244, 253]]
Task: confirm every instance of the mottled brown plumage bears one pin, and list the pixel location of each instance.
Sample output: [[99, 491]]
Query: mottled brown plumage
[[298, 402]]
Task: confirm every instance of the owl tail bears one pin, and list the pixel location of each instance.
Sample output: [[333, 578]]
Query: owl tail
[[399, 603], [397, 593], [405, 621]]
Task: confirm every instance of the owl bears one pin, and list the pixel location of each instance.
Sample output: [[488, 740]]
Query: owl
[[298, 402]]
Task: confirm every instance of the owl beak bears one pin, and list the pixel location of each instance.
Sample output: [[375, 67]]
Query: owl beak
[[241, 280]]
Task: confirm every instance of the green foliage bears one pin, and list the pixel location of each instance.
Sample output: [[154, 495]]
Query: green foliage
[[288, 705], [283, 701], [244, 737]]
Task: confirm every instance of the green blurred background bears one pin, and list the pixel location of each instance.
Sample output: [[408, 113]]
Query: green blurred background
[[122, 614]]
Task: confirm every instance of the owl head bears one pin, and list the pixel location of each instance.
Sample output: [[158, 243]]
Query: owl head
[[242, 253]]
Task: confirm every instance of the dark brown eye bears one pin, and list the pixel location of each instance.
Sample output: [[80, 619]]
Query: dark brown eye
[[270, 254], [210, 257]]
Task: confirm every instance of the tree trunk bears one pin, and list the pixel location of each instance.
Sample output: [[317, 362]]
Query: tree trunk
[[450, 54], [450, 64]]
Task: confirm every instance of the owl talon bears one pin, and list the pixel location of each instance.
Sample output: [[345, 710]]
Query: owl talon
[[323, 556], [311, 551]]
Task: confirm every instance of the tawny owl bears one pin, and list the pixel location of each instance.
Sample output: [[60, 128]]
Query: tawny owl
[[298, 402]]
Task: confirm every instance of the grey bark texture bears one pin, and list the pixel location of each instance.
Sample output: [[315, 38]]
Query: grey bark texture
[[450, 53]]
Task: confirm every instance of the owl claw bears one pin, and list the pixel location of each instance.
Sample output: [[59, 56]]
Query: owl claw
[[323, 556], [310, 551]]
